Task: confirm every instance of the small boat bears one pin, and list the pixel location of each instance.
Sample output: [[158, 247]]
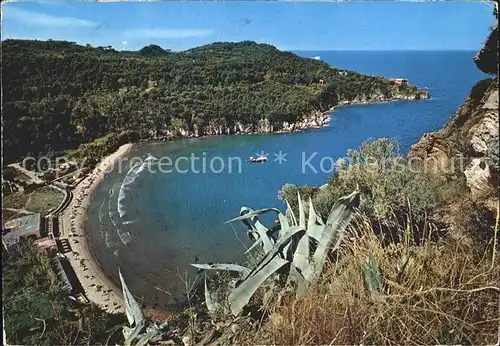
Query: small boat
[[316, 57], [257, 159]]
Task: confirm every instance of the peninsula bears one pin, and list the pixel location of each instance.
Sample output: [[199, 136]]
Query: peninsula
[[66, 95]]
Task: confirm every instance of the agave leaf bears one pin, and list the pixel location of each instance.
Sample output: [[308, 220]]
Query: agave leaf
[[312, 215], [372, 276], [290, 214], [301, 255], [296, 277], [284, 225], [126, 331], [315, 225], [212, 304], [340, 216], [222, 266], [254, 245], [338, 219], [319, 220], [255, 227], [261, 230], [132, 309], [252, 213], [240, 295], [278, 248], [315, 231], [302, 214], [287, 253], [132, 334], [248, 221]]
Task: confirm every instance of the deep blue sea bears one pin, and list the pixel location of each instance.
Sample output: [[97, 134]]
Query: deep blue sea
[[153, 224]]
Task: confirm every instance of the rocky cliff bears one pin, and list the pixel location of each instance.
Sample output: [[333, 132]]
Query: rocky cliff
[[469, 141], [314, 119]]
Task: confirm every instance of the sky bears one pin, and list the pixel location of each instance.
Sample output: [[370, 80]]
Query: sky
[[292, 26]]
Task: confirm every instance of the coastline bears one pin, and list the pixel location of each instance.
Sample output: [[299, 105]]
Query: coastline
[[304, 125], [98, 288]]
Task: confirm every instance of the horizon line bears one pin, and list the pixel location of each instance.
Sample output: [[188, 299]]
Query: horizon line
[[281, 49]]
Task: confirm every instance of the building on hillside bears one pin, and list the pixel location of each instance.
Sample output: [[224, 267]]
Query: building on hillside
[[27, 227], [399, 81]]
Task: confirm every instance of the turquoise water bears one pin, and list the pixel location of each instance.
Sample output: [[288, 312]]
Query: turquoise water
[[164, 221]]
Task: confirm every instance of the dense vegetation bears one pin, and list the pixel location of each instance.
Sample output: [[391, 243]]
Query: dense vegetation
[[392, 187], [58, 95], [36, 312], [389, 184]]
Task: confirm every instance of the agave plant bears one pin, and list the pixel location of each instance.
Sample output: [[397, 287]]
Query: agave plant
[[296, 250], [141, 331], [373, 279]]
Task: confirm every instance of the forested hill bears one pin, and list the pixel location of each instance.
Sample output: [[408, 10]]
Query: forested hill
[[57, 95]]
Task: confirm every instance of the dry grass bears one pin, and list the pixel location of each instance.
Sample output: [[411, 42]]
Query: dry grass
[[437, 292]]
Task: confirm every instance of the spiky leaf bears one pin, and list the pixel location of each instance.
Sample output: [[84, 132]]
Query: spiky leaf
[[289, 213], [254, 245], [295, 231], [302, 213], [284, 225], [338, 219], [301, 283], [252, 213], [132, 334], [255, 227], [210, 300], [132, 309], [240, 296], [222, 266], [301, 257]]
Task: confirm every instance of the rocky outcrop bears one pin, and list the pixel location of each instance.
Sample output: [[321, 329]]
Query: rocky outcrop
[[315, 119], [375, 98], [469, 141], [486, 129], [487, 58]]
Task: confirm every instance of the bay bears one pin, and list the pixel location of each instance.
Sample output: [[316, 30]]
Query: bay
[[171, 219]]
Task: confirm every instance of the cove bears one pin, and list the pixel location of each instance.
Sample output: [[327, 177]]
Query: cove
[[169, 220]]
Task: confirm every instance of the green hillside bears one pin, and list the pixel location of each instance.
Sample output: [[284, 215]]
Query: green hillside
[[58, 95]]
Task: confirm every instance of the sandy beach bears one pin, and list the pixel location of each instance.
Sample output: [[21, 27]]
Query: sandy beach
[[98, 288]]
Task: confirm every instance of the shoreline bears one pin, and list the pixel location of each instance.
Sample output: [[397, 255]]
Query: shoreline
[[97, 287], [304, 127]]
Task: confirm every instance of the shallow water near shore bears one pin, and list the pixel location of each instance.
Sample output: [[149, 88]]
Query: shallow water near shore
[[155, 224]]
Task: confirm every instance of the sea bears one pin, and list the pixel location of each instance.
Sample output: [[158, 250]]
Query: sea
[[166, 205]]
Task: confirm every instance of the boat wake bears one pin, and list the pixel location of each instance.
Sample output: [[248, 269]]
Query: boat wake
[[109, 235], [100, 211], [125, 187], [129, 180], [114, 231]]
